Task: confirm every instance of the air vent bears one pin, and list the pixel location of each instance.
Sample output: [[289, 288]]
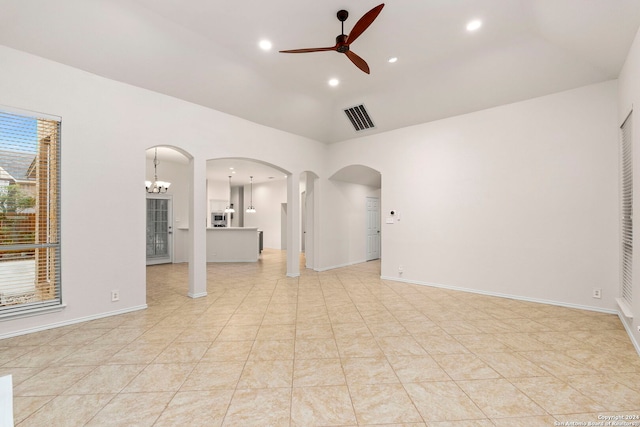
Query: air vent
[[359, 118]]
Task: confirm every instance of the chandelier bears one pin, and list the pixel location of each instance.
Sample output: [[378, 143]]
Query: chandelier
[[156, 186]]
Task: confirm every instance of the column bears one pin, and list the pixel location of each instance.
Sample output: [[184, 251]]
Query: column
[[198, 228], [293, 225]]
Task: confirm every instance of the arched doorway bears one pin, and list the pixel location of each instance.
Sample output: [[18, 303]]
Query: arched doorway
[[168, 207], [358, 190], [263, 186], [242, 183]]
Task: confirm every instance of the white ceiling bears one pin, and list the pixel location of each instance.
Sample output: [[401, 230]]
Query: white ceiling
[[206, 52]]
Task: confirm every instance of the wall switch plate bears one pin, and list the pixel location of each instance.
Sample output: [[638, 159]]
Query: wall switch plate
[[115, 295], [597, 293]]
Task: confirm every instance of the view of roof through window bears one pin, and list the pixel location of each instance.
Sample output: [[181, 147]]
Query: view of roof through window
[[18, 147]]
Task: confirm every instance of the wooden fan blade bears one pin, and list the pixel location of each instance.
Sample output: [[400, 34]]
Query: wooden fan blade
[[359, 62], [364, 22], [317, 49]]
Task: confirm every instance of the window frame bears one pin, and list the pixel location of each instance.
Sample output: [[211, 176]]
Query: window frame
[[46, 245], [626, 216]]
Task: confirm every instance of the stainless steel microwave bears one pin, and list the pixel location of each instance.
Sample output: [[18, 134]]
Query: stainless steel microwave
[[218, 219]]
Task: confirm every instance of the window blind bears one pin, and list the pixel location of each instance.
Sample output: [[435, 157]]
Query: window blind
[[626, 168], [29, 213]]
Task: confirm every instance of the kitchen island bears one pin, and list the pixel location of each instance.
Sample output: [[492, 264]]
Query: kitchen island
[[232, 244]]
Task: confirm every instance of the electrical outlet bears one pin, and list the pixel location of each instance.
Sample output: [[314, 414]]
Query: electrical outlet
[[115, 295], [597, 293]]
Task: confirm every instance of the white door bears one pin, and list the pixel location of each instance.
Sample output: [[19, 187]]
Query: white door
[[373, 228], [159, 230]]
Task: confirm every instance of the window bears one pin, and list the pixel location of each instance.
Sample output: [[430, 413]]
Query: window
[[626, 190], [29, 213]]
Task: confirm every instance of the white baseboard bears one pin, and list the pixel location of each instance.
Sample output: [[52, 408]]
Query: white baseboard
[[72, 321], [333, 267], [198, 295]]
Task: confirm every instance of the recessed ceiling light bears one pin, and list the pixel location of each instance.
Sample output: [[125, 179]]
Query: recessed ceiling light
[[474, 25], [393, 59], [265, 44], [334, 82]]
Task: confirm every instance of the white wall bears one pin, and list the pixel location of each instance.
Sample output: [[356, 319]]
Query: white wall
[[267, 199], [106, 128], [517, 200], [218, 190], [629, 96]]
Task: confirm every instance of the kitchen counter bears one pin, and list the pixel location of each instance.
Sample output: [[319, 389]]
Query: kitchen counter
[[232, 244]]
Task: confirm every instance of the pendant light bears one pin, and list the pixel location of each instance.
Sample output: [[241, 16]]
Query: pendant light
[[251, 209], [229, 209], [156, 186]]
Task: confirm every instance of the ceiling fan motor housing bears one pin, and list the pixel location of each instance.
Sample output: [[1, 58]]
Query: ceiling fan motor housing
[[341, 42]]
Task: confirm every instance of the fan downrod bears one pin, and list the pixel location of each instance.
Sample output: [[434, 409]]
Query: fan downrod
[[341, 40]]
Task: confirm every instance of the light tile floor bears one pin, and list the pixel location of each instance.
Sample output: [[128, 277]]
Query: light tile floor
[[337, 348]]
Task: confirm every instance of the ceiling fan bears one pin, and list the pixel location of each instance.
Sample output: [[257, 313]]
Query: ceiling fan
[[343, 41]]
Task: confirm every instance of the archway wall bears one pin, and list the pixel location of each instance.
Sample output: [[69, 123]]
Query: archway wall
[[518, 200], [103, 170], [284, 151], [233, 138]]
